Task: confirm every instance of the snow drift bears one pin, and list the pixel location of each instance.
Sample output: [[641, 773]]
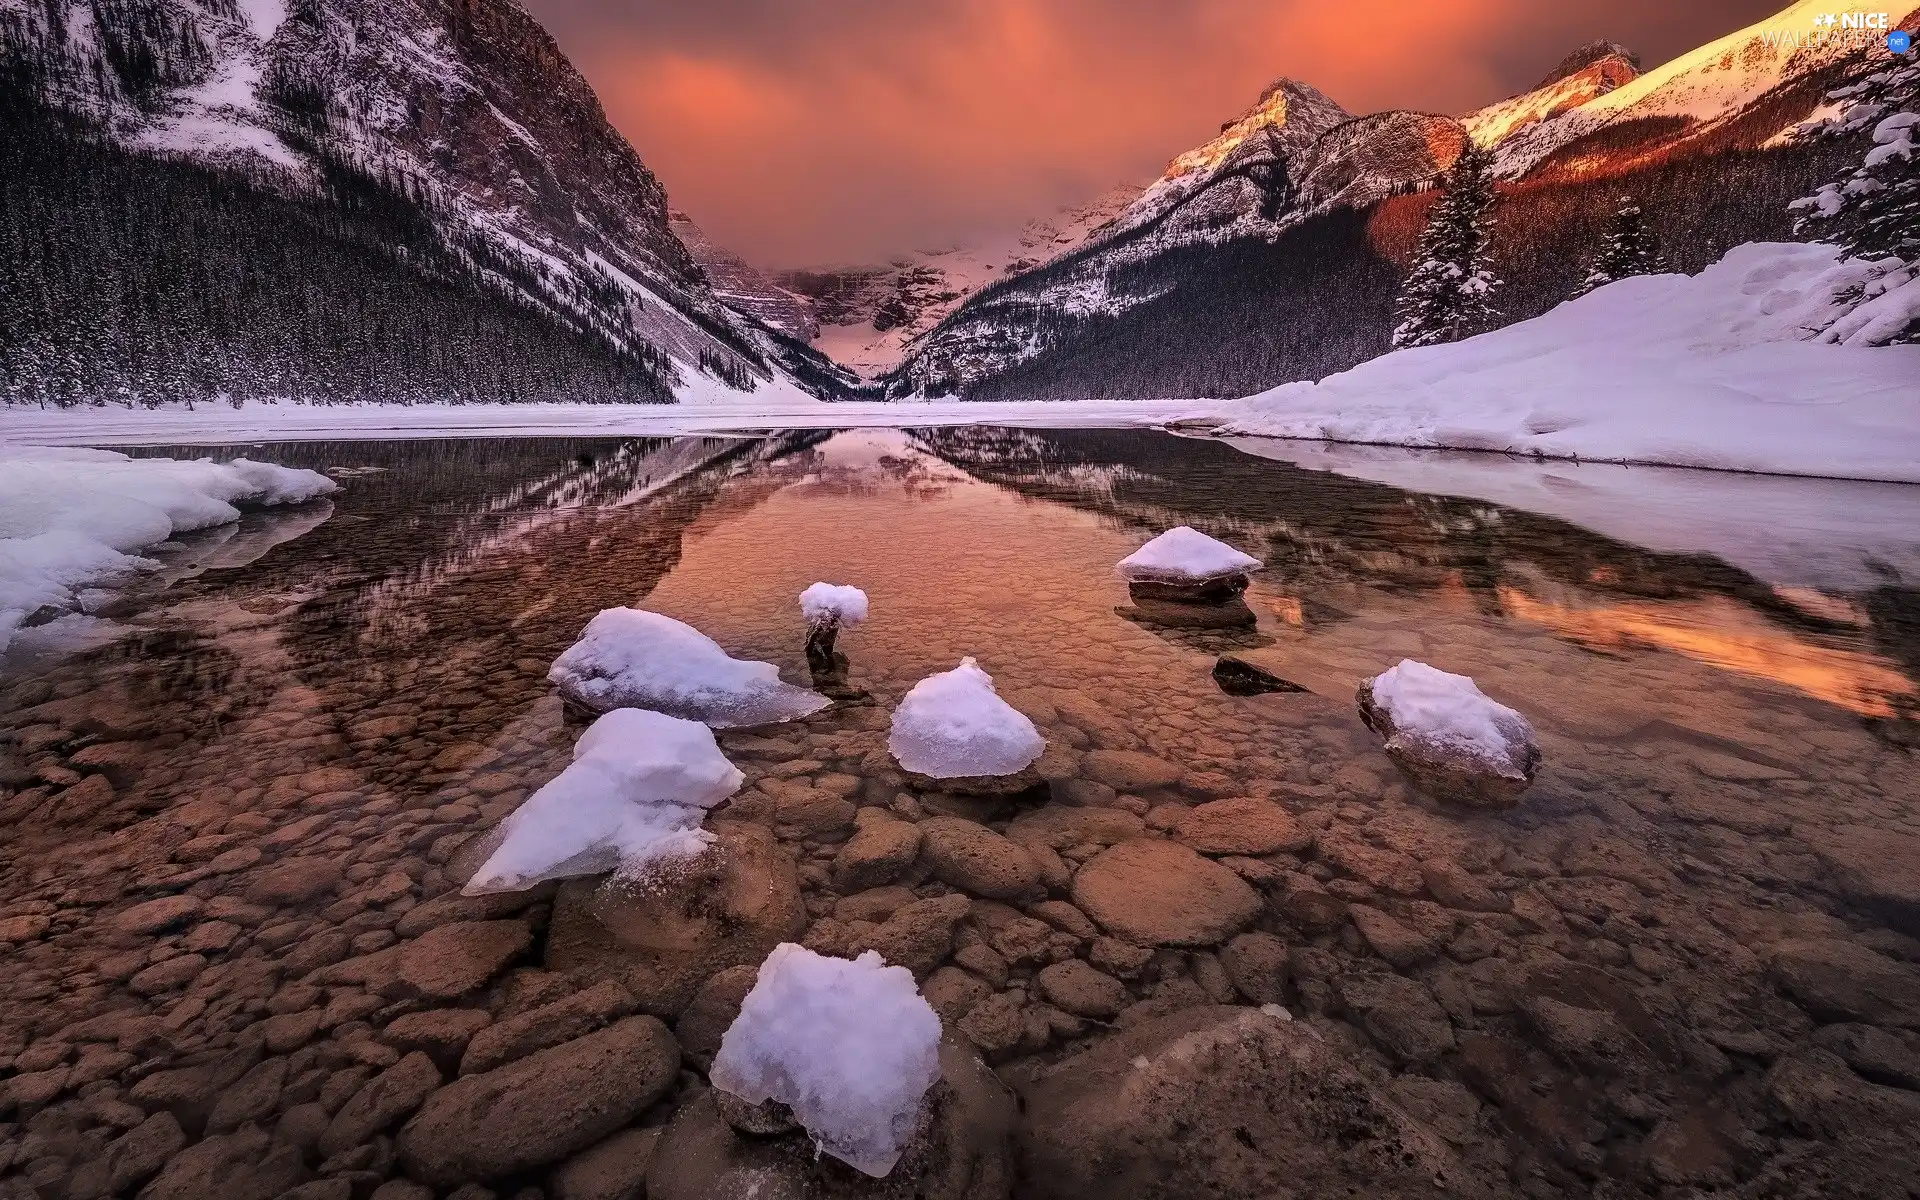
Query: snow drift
[[634, 796], [631, 658], [954, 725], [1716, 370], [71, 519], [850, 1046]]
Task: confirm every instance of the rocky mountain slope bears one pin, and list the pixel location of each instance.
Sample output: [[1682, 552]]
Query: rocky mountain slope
[[1272, 252], [450, 138], [743, 287], [869, 315]]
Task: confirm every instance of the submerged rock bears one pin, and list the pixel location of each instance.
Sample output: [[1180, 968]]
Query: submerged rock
[[1448, 738], [1219, 1101], [1238, 677], [663, 939], [960, 1150], [1156, 893], [631, 658]]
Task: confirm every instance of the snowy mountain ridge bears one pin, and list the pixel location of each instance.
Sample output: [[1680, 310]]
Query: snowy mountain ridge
[[870, 315], [1296, 155], [468, 104]]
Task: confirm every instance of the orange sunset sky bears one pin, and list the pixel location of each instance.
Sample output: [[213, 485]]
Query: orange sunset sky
[[803, 132]]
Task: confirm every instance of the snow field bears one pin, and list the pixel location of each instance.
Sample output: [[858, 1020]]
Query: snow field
[[1717, 370]]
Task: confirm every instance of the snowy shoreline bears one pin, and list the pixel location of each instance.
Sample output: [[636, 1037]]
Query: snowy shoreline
[[210, 425]]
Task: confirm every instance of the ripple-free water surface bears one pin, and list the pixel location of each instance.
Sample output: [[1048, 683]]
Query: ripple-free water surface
[[1728, 748]]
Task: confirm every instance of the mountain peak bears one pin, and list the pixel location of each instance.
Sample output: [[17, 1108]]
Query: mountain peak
[[1285, 106], [1586, 56]]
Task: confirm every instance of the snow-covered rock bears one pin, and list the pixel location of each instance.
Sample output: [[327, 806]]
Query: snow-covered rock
[[850, 1046], [70, 520], [834, 604], [954, 725], [1449, 737], [1185, 564], [631, 658], [1716, 370], [634, 796]]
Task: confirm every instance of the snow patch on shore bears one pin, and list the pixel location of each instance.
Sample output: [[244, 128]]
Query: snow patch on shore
[[1718, 370], [71, 520]]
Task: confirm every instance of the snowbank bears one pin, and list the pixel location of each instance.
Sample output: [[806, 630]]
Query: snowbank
[[638, 787], [71, 519], [1712, 370], [1449, 715], [850, 1046], [839, 604], [954, 725], [630, 658], [1185, 555]]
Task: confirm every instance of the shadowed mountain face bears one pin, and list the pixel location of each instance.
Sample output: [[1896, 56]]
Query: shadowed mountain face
[[437, 145]]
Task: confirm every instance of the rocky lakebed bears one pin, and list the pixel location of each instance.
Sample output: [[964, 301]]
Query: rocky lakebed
[[1213, 942]]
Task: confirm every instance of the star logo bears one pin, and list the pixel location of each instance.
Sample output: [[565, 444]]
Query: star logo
[[1824, 19]]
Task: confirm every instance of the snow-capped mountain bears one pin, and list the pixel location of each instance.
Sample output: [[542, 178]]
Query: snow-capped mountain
[[1225, 274], [1589, 72], [1699, 94], [465, 108], [869, 315]]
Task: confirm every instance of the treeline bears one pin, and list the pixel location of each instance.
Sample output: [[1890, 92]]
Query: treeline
[[1248, 315], [131, 279]]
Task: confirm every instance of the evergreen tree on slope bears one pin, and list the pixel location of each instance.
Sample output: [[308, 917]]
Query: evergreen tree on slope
[[1874, 212], [1629, 249], [1448, 296]]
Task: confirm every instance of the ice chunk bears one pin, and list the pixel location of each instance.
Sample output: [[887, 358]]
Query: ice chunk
[[634, 796], [630, 658], [954, 725], [850, 1046], [1185, 555], [838, 603], [71, 519]]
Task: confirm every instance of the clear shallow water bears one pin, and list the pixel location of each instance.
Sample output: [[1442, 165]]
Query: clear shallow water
[[1728, 749]]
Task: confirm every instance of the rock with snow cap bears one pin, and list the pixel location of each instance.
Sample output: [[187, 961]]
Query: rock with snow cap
[[1450, 739]]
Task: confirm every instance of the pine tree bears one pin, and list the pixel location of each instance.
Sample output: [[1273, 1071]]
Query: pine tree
[[1629, 249], [1448, 295], [1874, 211]]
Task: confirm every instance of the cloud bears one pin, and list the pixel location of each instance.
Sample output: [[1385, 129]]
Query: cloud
[[846, 130]]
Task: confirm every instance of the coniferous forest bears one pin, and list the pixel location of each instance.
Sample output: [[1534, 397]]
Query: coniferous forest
[[130, 279]]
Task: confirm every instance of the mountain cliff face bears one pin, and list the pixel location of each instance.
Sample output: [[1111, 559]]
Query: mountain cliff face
[[461, 116], [743, 287], [1273, 251]]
